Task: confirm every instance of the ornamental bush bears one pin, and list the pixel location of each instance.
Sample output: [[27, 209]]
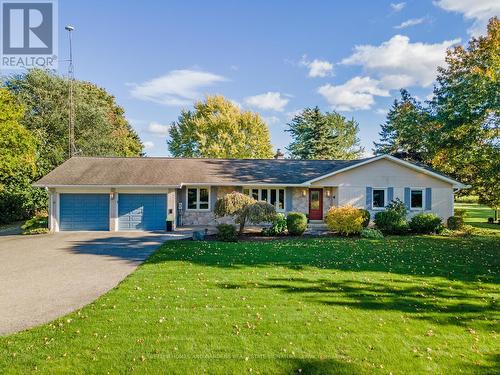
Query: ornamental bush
[[373, 234], [278, 226], [426, 223], [226, 233], [296, 222], [366, 217], [391, 222], [345, 220], [455, 222]]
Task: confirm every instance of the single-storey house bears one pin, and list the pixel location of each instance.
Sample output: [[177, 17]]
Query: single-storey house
[[123, 194]]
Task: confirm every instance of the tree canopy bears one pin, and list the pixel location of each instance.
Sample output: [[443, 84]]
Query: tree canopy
[[458, 131], [317, 135], [100, 125], [217, 128]]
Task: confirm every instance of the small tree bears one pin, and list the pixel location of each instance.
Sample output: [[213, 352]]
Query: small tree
[[244, 209]]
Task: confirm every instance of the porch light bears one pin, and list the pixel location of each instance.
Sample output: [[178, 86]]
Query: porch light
[[328, 193], [304, 192], [112, 195]]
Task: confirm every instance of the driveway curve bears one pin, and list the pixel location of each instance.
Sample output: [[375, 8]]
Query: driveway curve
[[43, 277]]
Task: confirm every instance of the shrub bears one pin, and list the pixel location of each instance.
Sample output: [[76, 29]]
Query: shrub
[[227, 233], [391, 222], [398, 207], [278, 226], [374, 234], [460, 212], [36, 231], [467, 199], [366, 217], [39, 221], [243, 208], [455, 223], [426, 223], [296, 222], [345, 220]]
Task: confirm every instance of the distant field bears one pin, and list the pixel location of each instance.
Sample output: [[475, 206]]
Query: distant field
[[477, 216]]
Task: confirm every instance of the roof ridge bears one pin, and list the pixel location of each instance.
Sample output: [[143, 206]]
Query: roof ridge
[[228, 159]]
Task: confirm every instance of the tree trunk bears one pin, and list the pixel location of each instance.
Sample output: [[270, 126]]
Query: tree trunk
[[242, 226]]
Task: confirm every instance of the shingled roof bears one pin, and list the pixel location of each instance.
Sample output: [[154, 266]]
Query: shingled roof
[[152, 171]]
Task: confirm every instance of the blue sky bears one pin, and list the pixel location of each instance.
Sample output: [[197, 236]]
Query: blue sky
[[272, 57]]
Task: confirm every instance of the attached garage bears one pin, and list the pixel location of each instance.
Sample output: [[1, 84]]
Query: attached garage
[[84, 212], [142, 211]]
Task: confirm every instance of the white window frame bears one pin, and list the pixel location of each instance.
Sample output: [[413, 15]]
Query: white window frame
[[197, 198], [260, 189], [385, 198], [423, 199]]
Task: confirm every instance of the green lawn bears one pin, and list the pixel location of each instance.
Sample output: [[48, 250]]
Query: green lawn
[[403, 305], [477, 216]]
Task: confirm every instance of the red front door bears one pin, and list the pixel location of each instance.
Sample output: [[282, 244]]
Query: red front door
[[315, 204]]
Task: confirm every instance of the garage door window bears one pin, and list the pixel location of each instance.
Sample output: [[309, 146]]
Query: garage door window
[[198, 198]]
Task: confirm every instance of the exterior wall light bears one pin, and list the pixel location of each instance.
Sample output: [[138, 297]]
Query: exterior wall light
[[304, 192]]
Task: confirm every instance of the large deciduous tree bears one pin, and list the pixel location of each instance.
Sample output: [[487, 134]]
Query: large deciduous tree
[[100, 126], [317, 135], [217, 128], [17, 161]]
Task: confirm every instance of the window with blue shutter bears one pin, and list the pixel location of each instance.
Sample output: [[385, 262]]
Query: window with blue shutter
[[407, 198], [369, 192], [428, 199]]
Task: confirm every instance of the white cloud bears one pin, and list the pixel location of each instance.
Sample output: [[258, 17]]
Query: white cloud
[[479, 11], [271, 120], [398, 7], [268, 101], [410, 22], [157, 128], [317, 68], [381, 111], [357, 93], [400, 60], [176, 88], [148, 145], [290, 115]]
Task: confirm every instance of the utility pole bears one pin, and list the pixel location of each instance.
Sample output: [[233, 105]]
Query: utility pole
[[71, 78]]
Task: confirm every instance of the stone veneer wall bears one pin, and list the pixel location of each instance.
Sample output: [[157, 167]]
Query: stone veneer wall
[[207, 218], [301, 203]]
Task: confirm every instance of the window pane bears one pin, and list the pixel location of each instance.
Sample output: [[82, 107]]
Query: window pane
[[246, 191], [315, 200], [273, 197], [203, 206], [255, 194], [281, 205], [378, 198], [263, 195], [192, 199], [416, 198], [204, 195]]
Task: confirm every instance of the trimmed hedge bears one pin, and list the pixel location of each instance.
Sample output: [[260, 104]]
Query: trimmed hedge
[[296, 222], [366, 217], [426, 223], [391, 222], [227, 233]]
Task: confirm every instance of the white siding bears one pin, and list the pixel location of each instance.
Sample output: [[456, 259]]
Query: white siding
[[385, 173]]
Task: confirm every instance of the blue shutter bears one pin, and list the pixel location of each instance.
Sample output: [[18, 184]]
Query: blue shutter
[[390, 195], [213, 197], [408, 198], [428, 199], [369, 197], [289, 199]]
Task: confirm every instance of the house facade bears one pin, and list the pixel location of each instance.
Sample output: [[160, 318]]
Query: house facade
[[123, 194]]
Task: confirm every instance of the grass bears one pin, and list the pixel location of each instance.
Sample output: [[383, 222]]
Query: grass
[[402, 305], [477, 215]]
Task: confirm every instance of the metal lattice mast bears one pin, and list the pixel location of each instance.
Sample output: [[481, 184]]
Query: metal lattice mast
[[71, 109]]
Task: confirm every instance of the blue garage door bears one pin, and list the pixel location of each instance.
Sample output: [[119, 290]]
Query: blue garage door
[[142, 211], [84, 212]]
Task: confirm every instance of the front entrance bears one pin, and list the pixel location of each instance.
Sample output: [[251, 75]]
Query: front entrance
[[315, 204]]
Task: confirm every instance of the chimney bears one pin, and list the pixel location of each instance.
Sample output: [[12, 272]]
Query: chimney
[[279, 155]]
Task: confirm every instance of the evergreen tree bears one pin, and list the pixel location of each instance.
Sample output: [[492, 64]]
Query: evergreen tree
[[323, 136]]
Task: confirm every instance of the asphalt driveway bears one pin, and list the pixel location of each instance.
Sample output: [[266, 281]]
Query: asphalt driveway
[[43, 277]]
